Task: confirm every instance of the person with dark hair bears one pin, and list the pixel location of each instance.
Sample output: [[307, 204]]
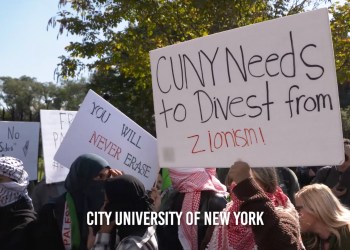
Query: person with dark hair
[[126, 194], [305, 175], [337, 178], [288, 182], [16, 208], [62, 223]]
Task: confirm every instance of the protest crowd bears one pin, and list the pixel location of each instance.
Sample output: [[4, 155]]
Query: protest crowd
[[310, 215], [215, 177]]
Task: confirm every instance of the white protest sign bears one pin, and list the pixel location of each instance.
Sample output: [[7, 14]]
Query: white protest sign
[[265, 93], [21, 140], [100, 128], [54, 126]]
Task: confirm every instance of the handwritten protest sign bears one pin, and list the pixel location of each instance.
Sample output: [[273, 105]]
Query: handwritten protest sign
[[100, 128], [54, 126], [265, 93], [21, 140]]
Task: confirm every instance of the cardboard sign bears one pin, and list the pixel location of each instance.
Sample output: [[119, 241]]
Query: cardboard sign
[[100, 128], [265, 93], [21, 140], [54, 126]]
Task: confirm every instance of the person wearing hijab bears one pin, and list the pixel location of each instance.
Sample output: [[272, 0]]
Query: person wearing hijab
[[125, 193], [62, 224], [16, 208]]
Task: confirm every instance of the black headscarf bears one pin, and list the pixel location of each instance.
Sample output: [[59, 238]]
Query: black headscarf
[[126, 193], [88, 194]]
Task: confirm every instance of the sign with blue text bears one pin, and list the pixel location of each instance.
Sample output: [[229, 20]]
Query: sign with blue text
[[21, 140], [100, 128], [265, 93], [54, 126]]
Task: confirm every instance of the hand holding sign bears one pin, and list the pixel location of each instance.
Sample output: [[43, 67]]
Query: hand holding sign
[[238, 172]]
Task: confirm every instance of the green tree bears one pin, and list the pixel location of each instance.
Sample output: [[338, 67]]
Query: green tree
[[345, 115], [340, 26], [123, 93], [70, 94], [19, 95], [122, 56], [22, 98], [151, 24]]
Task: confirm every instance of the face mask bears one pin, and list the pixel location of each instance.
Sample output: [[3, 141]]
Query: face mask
[[95, 195], [10, 192]]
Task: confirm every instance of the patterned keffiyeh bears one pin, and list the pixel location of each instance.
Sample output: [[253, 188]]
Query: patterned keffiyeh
[[12, 191], [239, 237], [192, 182]]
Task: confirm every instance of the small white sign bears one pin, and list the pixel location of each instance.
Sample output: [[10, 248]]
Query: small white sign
[[100, 128], [265, 93], [21, 140], [54, 126]]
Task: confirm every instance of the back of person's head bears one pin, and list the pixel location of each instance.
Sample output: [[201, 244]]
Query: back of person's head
[[266, 178], [126, 193], [186, 180], [319, 201], [13, 169]]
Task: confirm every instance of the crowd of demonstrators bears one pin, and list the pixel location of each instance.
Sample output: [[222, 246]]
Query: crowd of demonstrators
[[319, 220]]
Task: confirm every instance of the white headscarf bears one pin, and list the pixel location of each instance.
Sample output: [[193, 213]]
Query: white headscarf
[[12, 191]]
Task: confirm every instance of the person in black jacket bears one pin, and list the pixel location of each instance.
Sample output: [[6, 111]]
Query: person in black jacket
[[62, 223], [126, 194], [337, 178], [16, 208]]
